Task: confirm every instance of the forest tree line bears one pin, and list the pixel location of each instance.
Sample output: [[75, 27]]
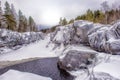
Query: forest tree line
[[106, 15], [11, 20]]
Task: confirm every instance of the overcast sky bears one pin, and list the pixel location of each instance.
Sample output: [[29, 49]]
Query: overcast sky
[[49, 11]]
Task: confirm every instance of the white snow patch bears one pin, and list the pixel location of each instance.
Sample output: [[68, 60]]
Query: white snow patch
[[17, 75], [37, 49], [112, 68]]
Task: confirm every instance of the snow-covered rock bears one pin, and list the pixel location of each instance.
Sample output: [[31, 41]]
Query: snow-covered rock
[[14, 40], [75, 60], [106, 39], [97, 39], [72, 33], [63, 35], [18, 75], [103, 38], [106, 67], [82, 28]]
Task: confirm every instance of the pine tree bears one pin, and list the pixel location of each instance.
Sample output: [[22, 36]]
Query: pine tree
[[89, 15], [60, 22], [64, 22], [32, 24], [10, 20], [21, 21], [14, 14], [71, 21], [81, 17], [0, 15]]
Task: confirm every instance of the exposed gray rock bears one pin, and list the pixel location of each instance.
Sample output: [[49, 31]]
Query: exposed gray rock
[[106, 39], [75, 60], [97, 39], [82, 29]]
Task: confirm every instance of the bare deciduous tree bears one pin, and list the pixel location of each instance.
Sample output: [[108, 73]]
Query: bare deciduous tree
[[105, 8]]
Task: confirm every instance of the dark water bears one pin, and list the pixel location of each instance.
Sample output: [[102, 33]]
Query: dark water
[[44, 67]]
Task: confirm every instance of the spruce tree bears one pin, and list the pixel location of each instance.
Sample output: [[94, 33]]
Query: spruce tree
[[10, 20], [89, 15], [60, 22], [64, 22], [21, 19], [15, 16], [32, 24], [71, 21], [0, 15]]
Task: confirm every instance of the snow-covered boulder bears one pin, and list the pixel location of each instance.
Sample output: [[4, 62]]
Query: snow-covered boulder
[[106, 39], [63, 35], [82, 28], [103, 38], [75, 60], [14, 40], [29, 37], [9, 38], [97, 39]]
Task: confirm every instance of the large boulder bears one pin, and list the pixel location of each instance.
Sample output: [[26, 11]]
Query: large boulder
[[106, 39], [75, 60], [62, 35], [82, 28], [97, 39]]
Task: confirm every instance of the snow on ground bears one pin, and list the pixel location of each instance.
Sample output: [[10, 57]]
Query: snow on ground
[[32, 50], [111, 65], [113, 68], [17, 75], [108, 64]]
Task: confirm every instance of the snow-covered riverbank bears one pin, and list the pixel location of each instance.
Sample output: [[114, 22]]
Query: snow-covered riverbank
[[37, 49], [81, 37]]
